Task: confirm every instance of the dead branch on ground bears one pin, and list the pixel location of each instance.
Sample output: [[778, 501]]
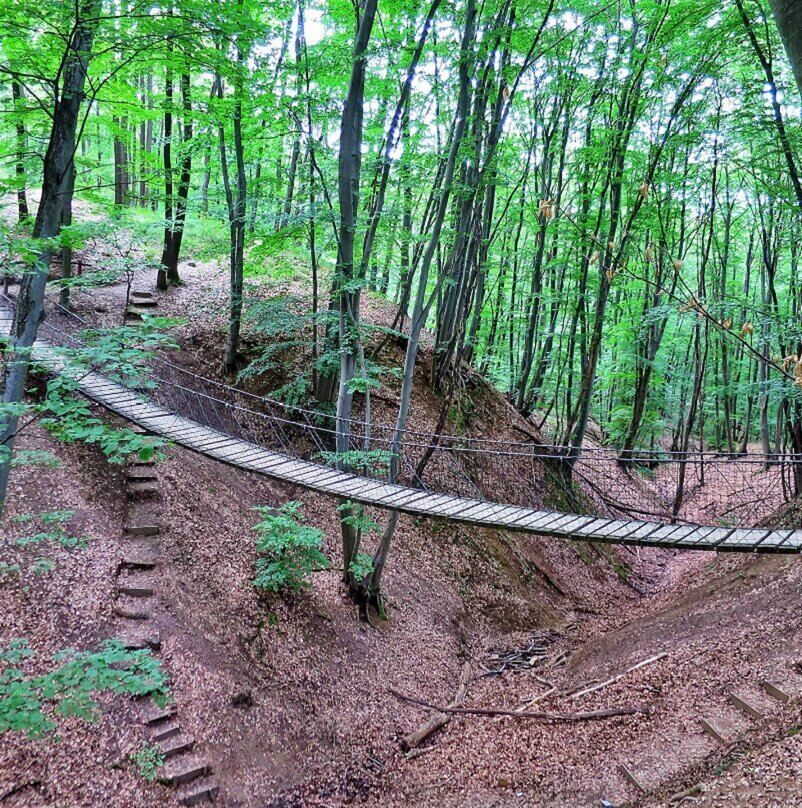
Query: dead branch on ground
[[439, 719], [593, 715]]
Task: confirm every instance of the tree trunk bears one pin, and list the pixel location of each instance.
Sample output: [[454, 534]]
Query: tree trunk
[[347, 280], [18, 95], [57, 171], [175, 207]]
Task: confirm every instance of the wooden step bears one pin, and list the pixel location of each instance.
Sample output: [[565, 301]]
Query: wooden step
[[745, 707], [141, 293], [142, 490], [165, 729], [135, 586], [775, 691], [136, 312], [137, 474], [130, 612], [142, 530], [715, 730], [176, 745], [183, 770], [139, 639], [144, 303], [632, 777], [137, 561], [204, 790], [154, 714]]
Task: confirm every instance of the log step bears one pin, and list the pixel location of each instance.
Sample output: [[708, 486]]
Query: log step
[[141, 293], [136, 474], [714, 730], [155, 714], [745, 706], [176, 745], [137, 561], [775, 691], [142, 490], [136, 312], [142, 530], [200, 791], [139, 640], [632, 777], [128, 612], [144, 303], [135, 586], [166, 729], [184, 770]]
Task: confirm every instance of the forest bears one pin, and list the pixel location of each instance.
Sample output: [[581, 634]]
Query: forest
[[447, 245]]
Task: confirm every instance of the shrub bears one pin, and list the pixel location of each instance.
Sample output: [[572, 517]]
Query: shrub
[[288, 551]]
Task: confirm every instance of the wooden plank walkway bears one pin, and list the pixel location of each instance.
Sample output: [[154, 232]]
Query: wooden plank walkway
[[317, 477]]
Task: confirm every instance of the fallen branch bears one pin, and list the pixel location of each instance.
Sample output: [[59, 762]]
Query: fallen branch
[[689, 793], [614, 679], [550, 692], [440, 718], [593, 715]]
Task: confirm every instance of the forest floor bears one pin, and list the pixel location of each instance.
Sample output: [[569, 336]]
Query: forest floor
[[321, 726]]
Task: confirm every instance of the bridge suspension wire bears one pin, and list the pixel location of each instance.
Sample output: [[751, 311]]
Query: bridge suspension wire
[[467, 479]]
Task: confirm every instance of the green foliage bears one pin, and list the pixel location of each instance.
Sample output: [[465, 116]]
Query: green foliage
[[353, 514], [35, 457], [54, 529], [42, 566], [370, 461], [30, 703], [361, 566], [287, 550], [122, 354], [148, 759], [8, 571], [69, 417]]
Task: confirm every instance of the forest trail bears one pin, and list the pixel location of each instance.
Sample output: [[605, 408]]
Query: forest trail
[[250, 456]]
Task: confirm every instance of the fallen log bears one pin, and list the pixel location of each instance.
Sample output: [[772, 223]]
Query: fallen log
[[592, 715], [439, 718]]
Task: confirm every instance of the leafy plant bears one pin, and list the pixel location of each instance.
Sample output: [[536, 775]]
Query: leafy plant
[[30, 703], [55, 529], [35, 457], [148, 759], [373, 460], [288, 551], [69, 417], [353, 514], [361, 566]]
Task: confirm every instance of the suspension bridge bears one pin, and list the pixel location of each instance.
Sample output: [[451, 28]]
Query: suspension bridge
[[295, 445]]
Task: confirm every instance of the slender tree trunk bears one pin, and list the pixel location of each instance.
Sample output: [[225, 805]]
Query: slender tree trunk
[[421, 305], [347, 280], [57, 173], [176, 205], [18, 96]]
